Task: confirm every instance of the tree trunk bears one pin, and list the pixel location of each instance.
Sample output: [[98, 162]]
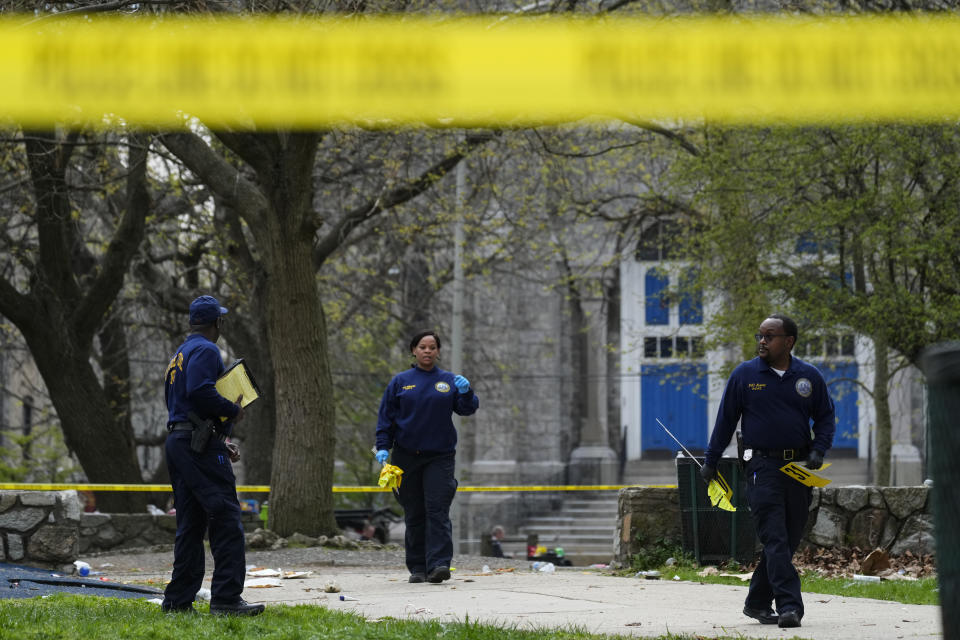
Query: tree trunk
[[91, 428], [302, 501], [257, 431], [262, 435], [881, 400]]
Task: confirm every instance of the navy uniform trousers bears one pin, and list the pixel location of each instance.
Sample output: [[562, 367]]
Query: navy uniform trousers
[[426, 492], [205, 496], [780, 506]]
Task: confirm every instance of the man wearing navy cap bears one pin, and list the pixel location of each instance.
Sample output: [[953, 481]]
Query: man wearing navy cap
[[204, 487]]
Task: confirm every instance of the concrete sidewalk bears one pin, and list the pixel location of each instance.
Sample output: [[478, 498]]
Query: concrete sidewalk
[[593, 602]]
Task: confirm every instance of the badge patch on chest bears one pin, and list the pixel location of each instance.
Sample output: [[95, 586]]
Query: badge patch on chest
[[442, 387], [804, 387]]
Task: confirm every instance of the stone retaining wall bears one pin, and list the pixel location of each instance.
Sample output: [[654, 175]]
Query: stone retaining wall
[[39, 528], [49, 529], [894, 518], [101, 532]]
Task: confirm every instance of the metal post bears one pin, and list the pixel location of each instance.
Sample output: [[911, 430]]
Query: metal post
[[941, 364], [456, 324], [735, 485], [694, 511]]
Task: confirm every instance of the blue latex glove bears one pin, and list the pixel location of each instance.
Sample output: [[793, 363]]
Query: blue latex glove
[[463, 385], [382, 455]]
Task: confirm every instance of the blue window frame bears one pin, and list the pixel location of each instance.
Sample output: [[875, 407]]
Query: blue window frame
[[655, 289], [691, 302]]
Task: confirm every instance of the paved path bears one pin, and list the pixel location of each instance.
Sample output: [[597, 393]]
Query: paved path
[[598, 604], [512, 595]]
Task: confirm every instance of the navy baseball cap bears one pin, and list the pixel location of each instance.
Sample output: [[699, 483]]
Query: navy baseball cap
[[204, 310]]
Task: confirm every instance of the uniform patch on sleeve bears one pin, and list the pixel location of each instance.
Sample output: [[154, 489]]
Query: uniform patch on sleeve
[[442, 387], [804, 387]]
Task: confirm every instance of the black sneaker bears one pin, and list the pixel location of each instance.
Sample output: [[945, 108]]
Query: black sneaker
[[417, 577], [789, 619], [765, 616], [238, 608], [438, 574]]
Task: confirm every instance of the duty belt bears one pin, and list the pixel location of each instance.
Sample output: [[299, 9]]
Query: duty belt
[[781, 454], [188, 426]]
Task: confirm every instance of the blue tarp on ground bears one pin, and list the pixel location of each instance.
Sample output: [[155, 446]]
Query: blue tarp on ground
[[17, 581]]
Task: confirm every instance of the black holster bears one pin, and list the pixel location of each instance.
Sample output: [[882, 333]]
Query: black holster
[[202, 432], [740, 450]]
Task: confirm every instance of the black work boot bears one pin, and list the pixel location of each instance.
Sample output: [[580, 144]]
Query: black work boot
[[765, 616], [239, 608], [179, 608], [789, 619], [438, 574]]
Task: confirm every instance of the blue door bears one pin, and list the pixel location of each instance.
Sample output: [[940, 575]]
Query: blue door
[[677, 395], [841, 381]]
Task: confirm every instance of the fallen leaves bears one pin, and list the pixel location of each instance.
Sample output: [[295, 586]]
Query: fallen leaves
[[845, 562]]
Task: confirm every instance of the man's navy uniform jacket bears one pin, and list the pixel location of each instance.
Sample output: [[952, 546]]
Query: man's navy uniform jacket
[[192, 388], [774, 412]]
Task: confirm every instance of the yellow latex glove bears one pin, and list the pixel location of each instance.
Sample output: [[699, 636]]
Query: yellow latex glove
[[390, 476]]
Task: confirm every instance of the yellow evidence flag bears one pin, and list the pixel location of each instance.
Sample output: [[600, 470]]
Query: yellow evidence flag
[[804, 475], [720, 493], [390, 476]]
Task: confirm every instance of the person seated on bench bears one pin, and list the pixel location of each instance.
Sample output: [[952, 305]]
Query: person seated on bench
[[496, 549], [369, 531]]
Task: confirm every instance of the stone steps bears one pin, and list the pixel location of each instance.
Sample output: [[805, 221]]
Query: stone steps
[[584, 527]]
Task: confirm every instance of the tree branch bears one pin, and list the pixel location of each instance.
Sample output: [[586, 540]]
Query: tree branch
[[47, 160], [217, 173], [124, 243], [392, 198], [256, 149], [669, 134]]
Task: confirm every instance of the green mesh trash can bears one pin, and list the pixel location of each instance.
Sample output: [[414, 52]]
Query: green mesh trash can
[[710, 534]]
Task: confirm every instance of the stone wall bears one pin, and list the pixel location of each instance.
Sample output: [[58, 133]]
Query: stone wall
[[101, 532], [894, 518], [39, 528], [49, 529]]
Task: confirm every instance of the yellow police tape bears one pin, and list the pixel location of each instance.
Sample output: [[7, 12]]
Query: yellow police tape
[[492, 70], [259, 488]]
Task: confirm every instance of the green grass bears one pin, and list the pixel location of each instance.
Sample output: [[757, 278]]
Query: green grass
[[94, 618], [923, 591]]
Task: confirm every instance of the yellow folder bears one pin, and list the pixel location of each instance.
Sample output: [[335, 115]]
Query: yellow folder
[[237, 381]]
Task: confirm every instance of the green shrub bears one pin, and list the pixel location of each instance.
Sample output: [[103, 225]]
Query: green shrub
[[653, 553]]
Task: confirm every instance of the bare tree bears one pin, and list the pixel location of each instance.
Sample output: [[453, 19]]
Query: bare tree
[[58, 291]]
